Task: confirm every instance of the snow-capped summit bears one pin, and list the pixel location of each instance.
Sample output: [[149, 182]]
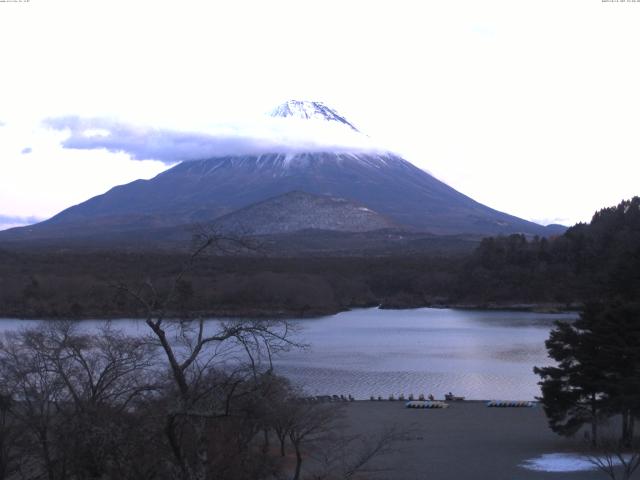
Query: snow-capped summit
[[307, 110]]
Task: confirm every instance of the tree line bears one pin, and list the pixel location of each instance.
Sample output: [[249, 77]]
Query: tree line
[[600, 259], [589, 260]]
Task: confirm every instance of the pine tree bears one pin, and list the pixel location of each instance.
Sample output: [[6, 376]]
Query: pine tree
[[572, 392], [598, 370]]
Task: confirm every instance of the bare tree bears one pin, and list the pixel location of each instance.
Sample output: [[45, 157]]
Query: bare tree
[[105, 368], [192, 348], [72, 394], [350, 456], [308, 422], [315, 431], [614, 459], [10, 436], [28, 379]]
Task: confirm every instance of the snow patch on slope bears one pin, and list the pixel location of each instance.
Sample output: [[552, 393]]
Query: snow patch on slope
[[283, 164], [306, 110]]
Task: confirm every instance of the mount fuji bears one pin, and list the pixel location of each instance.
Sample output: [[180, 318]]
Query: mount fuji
[[341, 189]]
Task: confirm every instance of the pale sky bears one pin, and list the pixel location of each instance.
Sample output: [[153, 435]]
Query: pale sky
[[531, 107]]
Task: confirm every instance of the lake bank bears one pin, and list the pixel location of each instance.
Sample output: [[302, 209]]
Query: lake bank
[[293, 313], [546, 307], [465, 441]]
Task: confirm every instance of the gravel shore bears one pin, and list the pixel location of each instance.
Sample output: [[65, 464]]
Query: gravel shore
[[468, 440]]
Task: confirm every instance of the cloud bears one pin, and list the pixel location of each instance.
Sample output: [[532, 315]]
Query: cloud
[[270, 135], [10, 221]]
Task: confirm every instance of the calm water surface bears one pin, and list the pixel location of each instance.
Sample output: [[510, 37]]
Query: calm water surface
[[477, 354]]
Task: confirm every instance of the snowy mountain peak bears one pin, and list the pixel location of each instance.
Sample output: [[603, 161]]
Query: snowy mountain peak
[[309, 111]]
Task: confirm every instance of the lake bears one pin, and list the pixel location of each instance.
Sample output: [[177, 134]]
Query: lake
[[476, 354]]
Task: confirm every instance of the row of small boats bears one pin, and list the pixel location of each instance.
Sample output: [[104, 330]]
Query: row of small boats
[[492, 403]]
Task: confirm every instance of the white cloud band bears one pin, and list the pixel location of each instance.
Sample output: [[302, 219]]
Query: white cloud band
[[272, 135]]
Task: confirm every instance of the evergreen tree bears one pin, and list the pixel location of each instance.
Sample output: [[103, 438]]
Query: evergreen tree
[[598, 370], [617, 328], [572, 392]]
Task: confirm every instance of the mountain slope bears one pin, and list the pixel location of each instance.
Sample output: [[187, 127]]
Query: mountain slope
[[201, 191], [296, 211]]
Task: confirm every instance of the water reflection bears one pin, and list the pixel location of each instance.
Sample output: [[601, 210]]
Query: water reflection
[[477, 354]]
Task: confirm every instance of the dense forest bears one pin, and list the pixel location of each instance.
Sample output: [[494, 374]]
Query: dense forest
[[598, 259]]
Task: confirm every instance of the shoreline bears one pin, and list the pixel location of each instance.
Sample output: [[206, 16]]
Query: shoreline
[[284, 314], [466, 440], [520, 307]]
